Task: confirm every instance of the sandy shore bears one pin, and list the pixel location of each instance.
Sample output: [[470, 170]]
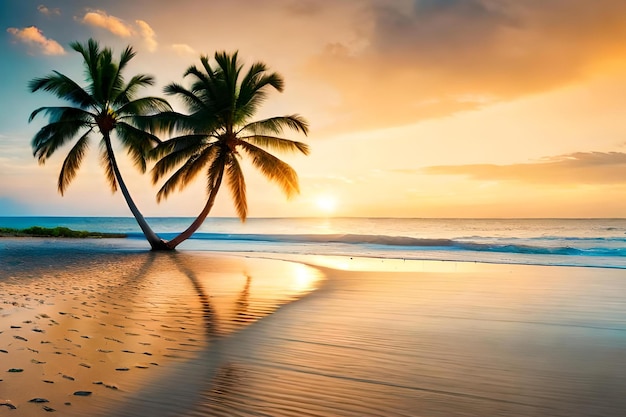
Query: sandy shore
[[199, 334]]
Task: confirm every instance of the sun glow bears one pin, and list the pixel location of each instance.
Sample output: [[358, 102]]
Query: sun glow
[[326, 203]]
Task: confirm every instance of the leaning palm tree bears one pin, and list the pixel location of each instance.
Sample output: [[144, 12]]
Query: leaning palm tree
[[106, 105], [221, 101]]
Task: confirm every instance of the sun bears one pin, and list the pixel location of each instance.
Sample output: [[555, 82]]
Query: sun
[[326, 203]]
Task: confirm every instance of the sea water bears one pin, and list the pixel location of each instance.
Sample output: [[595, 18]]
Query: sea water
[[574, 242]]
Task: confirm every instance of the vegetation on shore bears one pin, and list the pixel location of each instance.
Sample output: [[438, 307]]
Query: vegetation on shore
[[38, 231]]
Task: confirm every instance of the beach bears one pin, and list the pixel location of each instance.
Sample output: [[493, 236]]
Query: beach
[[102, 328]]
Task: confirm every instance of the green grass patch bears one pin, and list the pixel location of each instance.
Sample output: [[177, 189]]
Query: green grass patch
[[38, 231]]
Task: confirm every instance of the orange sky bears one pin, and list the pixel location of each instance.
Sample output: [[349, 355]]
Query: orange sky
[[425, 108]]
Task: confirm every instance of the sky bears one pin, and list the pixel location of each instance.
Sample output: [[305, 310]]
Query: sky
[[423, 108]]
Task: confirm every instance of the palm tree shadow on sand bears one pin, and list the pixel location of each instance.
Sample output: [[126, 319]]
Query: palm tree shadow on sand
[[211, 380], [209, 313]]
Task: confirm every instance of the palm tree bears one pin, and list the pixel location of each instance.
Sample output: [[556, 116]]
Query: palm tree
[[218, 129], [107, 105]]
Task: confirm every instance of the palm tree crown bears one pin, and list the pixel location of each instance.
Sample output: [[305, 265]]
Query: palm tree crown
[[221, 102], [107, 104]]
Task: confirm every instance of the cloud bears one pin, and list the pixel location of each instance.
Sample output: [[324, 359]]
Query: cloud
[[117, 26], [409, 61], [48, 12], [34, 37], [113, 24], [575, 168], [183, 49], [306, 8], [148, 35]]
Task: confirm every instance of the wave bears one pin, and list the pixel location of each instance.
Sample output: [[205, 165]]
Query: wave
[[540, 246]]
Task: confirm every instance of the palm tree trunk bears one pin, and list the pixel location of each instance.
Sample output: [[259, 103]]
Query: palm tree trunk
[[171, 244], [156, 243]]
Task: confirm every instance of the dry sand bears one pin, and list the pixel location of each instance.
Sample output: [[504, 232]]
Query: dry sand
[[238, 336]]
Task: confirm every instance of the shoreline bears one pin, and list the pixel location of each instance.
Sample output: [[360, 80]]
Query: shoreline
[[374, 337]]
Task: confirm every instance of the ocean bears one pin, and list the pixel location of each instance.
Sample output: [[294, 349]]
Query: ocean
[[565, 242]]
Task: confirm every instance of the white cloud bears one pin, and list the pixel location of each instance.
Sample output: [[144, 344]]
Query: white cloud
[[34, 37]]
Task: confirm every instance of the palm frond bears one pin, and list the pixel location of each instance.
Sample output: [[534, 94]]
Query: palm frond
[[192, 102], [144, 106], [229, 70], [215, 173], [72, 162], [273, 169], [127, 93], [237, 185], [54, 135], [107, 164], [253, 75], [108, 77], [210, 72], [127, 54], [137, 142], [64, 88], [165, 122], [277, 144], [176, 157], [277, 125], [210, 86], [202, 79], [55, 114], [253, 90], [190, 144], [186, 173], [94, 59], [118, 93]]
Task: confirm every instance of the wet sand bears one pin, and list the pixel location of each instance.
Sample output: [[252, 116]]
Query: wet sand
[[85, 328], [347, 337]]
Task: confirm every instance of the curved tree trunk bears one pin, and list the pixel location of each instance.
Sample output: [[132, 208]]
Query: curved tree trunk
[[156, 243], [171, 244]]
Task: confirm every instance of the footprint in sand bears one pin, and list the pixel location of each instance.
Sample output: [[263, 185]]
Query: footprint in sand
[[38, 400]]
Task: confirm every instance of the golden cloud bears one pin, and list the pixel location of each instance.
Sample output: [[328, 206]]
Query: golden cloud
[[33, 36], [147, 34], [113, 24], [183, 49], [575, 168], [430, 58]]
